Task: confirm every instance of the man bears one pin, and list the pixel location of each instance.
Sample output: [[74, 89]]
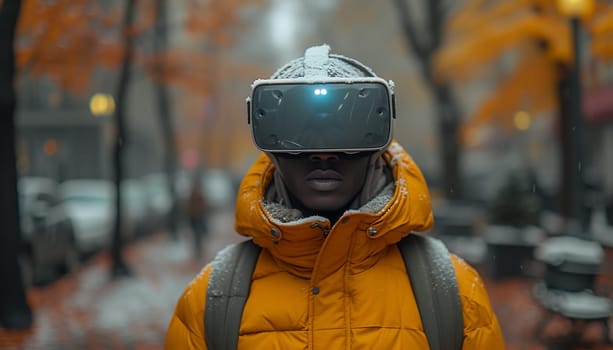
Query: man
[[327, 202], [197, 212]]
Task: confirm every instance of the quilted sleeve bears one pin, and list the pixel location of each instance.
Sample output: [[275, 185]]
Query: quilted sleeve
[[481, 328], [186, 329]]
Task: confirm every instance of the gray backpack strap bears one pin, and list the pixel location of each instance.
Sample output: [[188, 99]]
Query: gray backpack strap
[[227, 292], [436, 292]]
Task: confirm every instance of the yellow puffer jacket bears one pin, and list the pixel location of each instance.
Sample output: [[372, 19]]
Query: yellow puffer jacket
[[347, 291]]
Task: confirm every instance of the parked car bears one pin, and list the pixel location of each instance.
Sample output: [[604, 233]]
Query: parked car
[[158, 197], [48, 241], [91, 206], [138, 214]]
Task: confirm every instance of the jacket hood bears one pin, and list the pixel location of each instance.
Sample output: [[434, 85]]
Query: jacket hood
[[359, 236]]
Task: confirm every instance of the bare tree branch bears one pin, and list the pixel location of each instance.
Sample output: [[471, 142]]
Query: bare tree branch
[[410, 31], [119, 268], [445, 104]]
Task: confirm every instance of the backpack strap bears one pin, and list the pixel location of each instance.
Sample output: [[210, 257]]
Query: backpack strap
[[227, 291], [427, 262], [436, 292]]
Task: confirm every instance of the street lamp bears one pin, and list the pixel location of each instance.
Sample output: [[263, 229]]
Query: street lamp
[[101, 105], [574, 10], [522, 120]]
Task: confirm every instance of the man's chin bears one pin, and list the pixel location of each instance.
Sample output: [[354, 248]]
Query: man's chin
[[326, 204]]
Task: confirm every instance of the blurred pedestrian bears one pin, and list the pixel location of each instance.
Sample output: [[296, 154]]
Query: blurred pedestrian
[[197, 212], [328, 205]]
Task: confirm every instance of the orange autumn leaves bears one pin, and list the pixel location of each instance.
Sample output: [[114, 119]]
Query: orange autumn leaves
[[53, 38], [530, 33], [67, 40]]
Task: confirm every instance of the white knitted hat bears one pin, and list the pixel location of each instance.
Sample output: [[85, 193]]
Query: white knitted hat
[[318, 62]]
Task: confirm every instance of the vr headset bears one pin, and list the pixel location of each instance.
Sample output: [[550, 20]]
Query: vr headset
[[328, 115]]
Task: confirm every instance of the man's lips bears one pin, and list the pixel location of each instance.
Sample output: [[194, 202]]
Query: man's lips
[[324, 180]]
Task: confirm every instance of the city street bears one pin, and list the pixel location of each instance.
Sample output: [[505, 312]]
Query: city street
[[87, 311], [116, 116]]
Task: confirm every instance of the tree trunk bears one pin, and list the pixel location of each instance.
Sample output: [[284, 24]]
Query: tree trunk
[[565, 194], [448, 121], [119, 267], [447, 109], [576, 116], [15, 312], [164, 113], [572, 202]]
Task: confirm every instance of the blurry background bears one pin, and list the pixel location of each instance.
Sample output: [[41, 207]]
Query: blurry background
[[121, 106]]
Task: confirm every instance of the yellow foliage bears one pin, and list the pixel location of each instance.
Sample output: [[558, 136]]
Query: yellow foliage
[[602, 23], [482, 31], [603, 48], [471, 16], [531, 87], [460, 58], [601, 30]]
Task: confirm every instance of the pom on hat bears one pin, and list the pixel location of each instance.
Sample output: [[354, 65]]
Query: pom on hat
[[318, 62]]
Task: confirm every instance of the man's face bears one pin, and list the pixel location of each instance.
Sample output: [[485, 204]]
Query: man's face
[[324, 182]]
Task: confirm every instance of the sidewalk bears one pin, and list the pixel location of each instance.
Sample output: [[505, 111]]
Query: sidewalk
[[519, 314], [87, 311]]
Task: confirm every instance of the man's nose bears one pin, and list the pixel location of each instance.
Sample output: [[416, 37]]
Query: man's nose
[[323, 157]]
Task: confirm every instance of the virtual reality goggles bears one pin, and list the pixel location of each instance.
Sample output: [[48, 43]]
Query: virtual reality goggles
[[328, 115]]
